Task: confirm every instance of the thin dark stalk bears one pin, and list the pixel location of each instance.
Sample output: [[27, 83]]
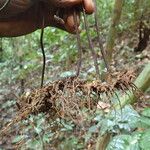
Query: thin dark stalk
[[91, 45], [99, 39], [43, 53], [78, 45]]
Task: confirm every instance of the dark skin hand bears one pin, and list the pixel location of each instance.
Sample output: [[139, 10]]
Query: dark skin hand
[[22, 17]]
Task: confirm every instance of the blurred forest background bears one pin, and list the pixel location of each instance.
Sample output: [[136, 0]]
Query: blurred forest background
[[20, 72]]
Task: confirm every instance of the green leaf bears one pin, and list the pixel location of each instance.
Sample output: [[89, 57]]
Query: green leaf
[[146, 112], [144, 122], [18, 139], [93, 129], [124, 142], [145, 140], [34, 144], [67, 126], [67, 74], [124, 120], [38, 130]]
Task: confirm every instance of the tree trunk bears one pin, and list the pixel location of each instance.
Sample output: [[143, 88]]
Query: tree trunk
[[137, 14], [113, 29], [137, 10]]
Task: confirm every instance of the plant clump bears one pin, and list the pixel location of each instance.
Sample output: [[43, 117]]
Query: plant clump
[[67, 97]]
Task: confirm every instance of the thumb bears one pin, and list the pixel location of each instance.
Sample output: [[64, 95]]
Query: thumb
[[88, 6], [72, 21]]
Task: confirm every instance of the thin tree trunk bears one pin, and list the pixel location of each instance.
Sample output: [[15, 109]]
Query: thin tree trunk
[[113, 29], [136, 10], [137, 14]]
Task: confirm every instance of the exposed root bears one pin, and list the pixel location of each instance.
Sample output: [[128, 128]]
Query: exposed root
[[67, 97]]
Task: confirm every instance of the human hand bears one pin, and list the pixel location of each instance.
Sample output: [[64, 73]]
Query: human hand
[[21, 17], [68, 9]]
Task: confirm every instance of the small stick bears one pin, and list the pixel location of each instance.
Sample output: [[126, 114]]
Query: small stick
[[43, 52], [78, 45], [90, 44]]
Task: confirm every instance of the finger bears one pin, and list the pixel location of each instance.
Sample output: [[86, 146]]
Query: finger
[[88, 6], [71, 23]]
